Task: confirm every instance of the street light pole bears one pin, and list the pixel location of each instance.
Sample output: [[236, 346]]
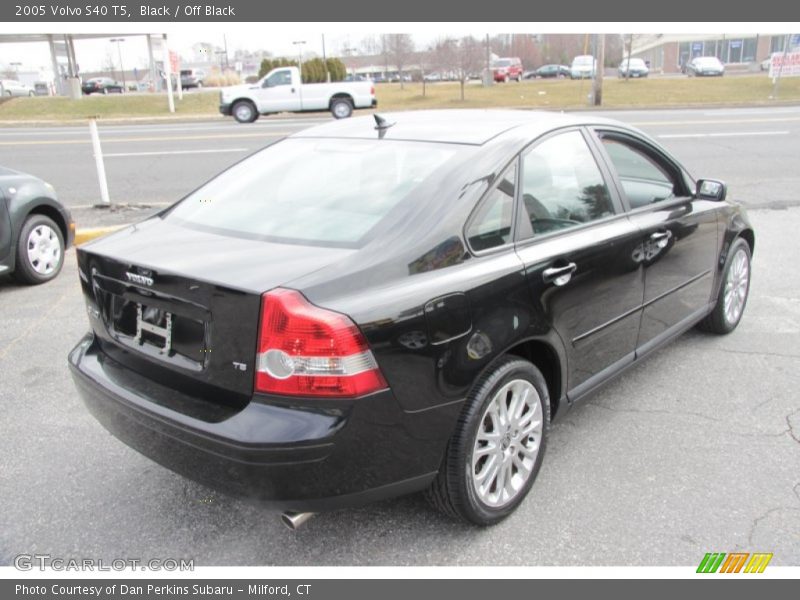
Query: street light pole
[[121, 68]]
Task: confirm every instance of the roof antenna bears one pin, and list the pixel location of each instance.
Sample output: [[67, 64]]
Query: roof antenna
[[381, 125]]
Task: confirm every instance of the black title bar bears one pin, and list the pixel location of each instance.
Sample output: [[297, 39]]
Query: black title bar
[[627, 11]]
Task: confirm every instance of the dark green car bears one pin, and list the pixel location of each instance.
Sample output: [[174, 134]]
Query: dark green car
[[35, 228]]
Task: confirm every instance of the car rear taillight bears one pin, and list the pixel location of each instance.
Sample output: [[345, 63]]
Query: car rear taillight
[[372, 90], [304, 350]]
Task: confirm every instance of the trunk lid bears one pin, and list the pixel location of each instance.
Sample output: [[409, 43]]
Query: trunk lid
[[184, 305]]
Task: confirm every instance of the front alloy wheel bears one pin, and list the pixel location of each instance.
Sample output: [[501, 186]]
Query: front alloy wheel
[[733, 292], [498, 445]]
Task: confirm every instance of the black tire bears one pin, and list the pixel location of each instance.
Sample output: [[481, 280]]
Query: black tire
[[244, 111], [453, 492], [717, 320], [24, 270], [341, 108]]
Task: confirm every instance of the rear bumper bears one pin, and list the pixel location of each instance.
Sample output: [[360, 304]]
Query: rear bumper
[[292, 456]]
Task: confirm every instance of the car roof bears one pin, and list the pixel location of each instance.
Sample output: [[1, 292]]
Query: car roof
[[456, 126]]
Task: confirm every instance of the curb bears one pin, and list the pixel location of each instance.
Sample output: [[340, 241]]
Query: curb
[[85, 235]]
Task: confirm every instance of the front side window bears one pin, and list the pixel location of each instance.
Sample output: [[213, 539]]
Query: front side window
[[279, 78], [491, 225], [562, 185], [643, 179]]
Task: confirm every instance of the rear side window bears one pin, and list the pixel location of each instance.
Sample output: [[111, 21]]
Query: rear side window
[[562, 186], [490, 226], [644, 180], [313, 191]]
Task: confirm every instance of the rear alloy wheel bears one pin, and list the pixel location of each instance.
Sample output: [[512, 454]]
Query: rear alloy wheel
[[498, 446], [733, 291], [244, 112], [341, 108], [40, 250]]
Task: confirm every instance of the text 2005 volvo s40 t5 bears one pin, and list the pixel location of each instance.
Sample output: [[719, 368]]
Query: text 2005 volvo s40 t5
[[370, 308]]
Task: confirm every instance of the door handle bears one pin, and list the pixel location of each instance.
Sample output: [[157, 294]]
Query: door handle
[[293, 90], [661, 238], [559, 275]]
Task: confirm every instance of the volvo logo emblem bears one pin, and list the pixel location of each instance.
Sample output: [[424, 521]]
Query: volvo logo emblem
[[140, 279]]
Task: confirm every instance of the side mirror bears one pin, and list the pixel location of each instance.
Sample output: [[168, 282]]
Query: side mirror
[[711, 189]]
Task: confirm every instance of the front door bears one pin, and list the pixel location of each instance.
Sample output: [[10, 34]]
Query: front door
[[679, 240], [278, 93]]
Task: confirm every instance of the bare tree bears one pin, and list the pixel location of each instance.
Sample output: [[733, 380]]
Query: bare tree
[[467, 58], [370, 45], [400, 48], [108, 64], [425, 61]]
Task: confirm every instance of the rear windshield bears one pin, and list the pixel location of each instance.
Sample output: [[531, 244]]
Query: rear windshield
[[502, 63], [316, 191]]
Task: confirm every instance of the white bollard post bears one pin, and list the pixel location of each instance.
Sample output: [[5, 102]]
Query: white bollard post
[[98, 161], [168, 74]]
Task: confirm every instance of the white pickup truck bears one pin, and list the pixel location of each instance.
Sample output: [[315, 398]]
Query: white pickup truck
[[281, 90]]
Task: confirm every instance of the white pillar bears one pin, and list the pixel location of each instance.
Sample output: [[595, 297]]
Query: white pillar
[[57, 80], [98, 161], [168, 73]]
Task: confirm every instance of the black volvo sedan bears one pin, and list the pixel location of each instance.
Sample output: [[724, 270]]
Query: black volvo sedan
[[371, 308]]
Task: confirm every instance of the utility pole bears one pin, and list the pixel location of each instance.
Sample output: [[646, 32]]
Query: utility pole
[[487, 78], [597, 95]]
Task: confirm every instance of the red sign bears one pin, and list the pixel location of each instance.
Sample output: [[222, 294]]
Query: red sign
[[174, 61]]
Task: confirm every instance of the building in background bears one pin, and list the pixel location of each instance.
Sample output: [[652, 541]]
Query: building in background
[[669, 53]]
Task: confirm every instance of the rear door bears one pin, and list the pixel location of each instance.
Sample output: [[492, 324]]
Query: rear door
[[577, 247], [679, 243]]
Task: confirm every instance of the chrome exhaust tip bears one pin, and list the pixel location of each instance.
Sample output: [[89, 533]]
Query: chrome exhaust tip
[[295, 520]]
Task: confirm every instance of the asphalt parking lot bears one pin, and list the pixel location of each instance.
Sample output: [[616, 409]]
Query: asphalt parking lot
[[696, 450]]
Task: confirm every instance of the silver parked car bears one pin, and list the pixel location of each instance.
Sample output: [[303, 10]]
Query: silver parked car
[[705, 66], [633, 67], [12, 87]]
